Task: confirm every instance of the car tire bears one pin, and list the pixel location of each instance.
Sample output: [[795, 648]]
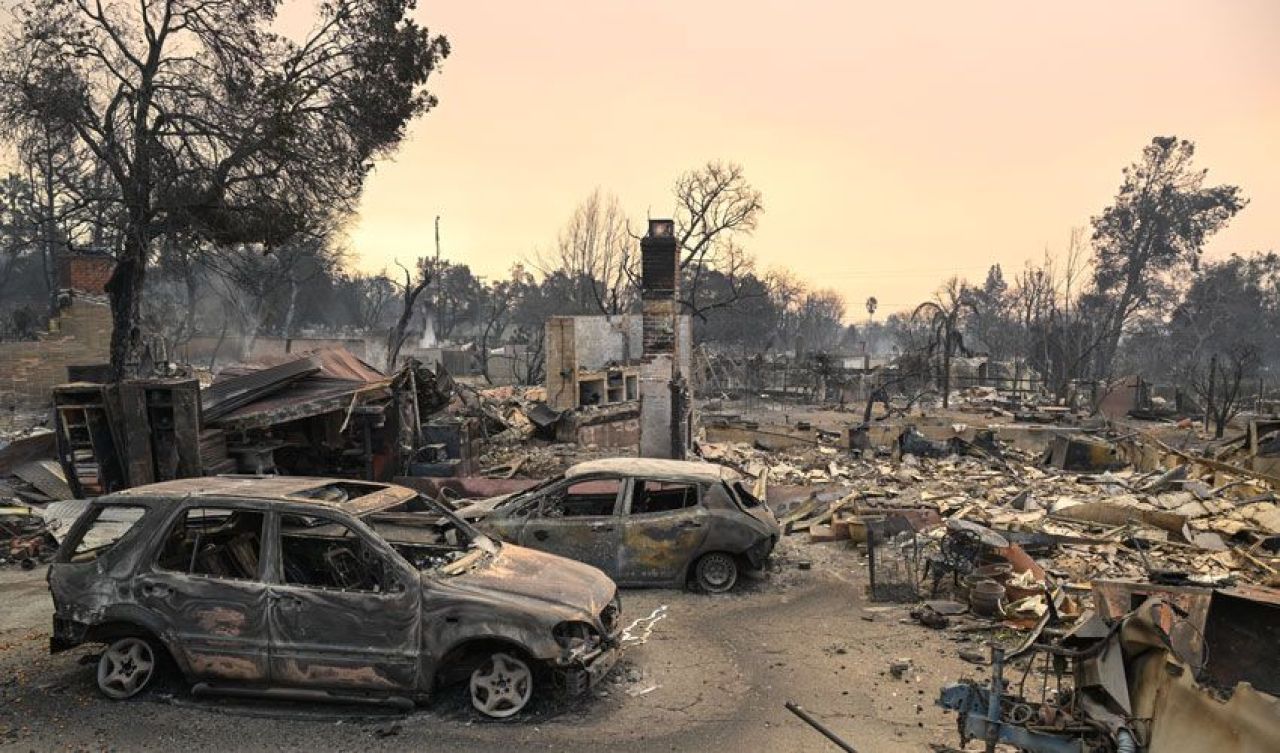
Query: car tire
[[130, 665], [716, 572], [501, 685]]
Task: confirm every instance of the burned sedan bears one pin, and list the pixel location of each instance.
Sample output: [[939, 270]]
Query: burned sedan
[[642, 521], [323, 588]]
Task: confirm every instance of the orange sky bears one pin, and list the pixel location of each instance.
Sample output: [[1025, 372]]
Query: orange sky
[[895, 143]]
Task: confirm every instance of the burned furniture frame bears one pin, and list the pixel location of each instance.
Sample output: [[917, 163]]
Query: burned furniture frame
[[132, 433], [894, 559]]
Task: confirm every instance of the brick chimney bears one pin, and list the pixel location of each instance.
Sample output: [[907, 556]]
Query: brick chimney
[[85, 272], [664, 394]]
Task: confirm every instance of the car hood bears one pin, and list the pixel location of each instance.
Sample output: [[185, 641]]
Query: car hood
[[531, 575]]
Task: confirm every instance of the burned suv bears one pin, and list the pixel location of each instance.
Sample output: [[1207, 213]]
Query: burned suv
[[323, 588]]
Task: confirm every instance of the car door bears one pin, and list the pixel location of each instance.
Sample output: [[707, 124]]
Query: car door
[[206, 582], [664, 526], [579, 519], [343, 607]]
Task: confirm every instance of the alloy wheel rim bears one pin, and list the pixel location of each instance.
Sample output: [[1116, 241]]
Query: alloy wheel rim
[[501, 687], [125, 668]]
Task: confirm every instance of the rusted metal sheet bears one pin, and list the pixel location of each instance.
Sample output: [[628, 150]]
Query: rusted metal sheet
[[1227, 635], [1179, 714], [1115, 598], [319, 383], [39, 446], [239, 388], [1242, 633]]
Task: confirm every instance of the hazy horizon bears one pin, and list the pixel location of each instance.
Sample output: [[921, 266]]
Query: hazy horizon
[[894, 147]]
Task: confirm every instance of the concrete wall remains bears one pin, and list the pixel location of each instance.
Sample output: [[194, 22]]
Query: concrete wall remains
[[587, 343], [592, 343], [29, 370]]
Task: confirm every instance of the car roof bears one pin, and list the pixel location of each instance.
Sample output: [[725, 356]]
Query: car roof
[[684, 470], [282, 488]]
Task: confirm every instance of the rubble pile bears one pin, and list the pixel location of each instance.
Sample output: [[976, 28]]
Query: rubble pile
[[1183, 519], [29, 485], [539, 460]]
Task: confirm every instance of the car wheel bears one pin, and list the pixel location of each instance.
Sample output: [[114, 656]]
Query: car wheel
[[716, 572], [501, 686], [127, 667]]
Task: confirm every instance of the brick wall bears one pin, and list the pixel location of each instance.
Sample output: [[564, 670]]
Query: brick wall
[[87, 273], [30, 370]]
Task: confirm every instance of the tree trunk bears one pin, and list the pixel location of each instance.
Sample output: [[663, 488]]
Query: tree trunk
[[222, 336], [1209, 409], [292, 310], [193, 291], [946, 374], [47, 221], [125, 291]]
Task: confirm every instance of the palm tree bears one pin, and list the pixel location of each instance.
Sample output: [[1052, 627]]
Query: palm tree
[[943, 315]]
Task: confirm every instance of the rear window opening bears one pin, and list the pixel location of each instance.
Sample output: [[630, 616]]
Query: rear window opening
[[745, 497], [107, 524], [662, 496]]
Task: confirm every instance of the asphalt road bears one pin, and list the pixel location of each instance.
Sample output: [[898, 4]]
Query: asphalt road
[[712, 676]]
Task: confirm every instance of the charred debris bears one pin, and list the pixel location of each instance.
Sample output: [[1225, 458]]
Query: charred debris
[[1107, 576], [1119, 587]]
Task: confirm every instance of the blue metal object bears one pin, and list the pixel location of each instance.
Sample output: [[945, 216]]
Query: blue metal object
[[973, 703], [981, 718]]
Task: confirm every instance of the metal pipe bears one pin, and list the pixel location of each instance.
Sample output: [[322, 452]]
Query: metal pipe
[[993, 697], [1125, 743], [804, 715]]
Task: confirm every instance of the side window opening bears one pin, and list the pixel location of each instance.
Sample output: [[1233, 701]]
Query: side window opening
[[217, 542], [662, 496], [321, 553], [595, 497], [108, 524]]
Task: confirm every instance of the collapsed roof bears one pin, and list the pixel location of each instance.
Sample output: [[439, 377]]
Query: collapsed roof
[[295, 388]]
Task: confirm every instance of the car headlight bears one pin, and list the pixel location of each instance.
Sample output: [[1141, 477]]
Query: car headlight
[[576, 636], [610, 614]]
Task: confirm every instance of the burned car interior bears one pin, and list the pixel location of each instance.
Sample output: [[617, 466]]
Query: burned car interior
[[583, 499], [662, 496], [320, 553], [218, 542]]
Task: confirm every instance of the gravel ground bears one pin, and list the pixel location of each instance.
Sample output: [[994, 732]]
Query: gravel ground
[[713, 675]]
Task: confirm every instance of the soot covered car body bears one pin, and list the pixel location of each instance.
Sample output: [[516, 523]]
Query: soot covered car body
[[644, 522], [340, 588]]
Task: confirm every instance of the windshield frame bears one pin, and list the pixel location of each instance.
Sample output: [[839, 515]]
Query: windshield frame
[[521, 495], [478, 539]]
